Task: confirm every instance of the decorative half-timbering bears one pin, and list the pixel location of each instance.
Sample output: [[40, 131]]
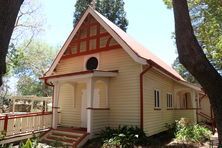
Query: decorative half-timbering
[[90, 38]]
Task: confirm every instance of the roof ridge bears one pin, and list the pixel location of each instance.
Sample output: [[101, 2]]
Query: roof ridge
[[138, 48]]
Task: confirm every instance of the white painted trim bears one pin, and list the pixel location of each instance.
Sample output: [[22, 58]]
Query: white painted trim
[[86, 57], [83, 108], [84, 76], [190, 85], [55, 117], [108, 28], [180, 81], [160, 100], [118, 38], [169, 93], [90, 94], [65, 45]]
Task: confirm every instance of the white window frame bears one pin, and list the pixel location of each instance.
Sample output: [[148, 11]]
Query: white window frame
[[169, 100], [87, 57], [157, 102]]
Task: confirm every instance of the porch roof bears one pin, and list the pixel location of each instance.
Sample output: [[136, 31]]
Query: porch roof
[[88, 73]]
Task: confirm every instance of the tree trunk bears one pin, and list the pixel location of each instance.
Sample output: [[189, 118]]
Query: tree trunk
[[191, 55], [8, 12]]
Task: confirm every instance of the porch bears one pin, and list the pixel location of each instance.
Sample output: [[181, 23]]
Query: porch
[[186, 103], [81, 100]]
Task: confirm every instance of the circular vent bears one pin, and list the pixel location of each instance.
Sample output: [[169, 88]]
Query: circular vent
[[92, 63]]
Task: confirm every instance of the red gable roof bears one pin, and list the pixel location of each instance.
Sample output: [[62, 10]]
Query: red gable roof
[[137, 48], [138, 52]]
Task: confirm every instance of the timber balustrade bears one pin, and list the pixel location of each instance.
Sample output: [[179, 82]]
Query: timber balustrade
[[15, 124]]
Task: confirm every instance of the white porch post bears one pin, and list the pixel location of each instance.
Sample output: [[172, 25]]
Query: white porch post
[[13, 107], [198, 100], [55, 115], [32, 106], [90, 90]]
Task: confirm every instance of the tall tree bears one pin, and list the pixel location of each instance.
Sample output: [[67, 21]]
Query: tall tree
[[32, 63], [192, 56], [29, 24], [8, 12], [207, 24], [183, 71], [111, 9]]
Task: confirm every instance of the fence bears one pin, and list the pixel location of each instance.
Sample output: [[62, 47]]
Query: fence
[[25, 123]]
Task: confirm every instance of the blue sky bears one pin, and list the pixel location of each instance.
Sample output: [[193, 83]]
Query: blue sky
[[150, 23]]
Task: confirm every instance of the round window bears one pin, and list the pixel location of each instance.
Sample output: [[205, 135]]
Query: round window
[[92, 63]]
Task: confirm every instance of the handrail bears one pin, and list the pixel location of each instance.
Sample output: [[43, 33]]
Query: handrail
[[183, 108], [205, 116], [211, 119], [10, 116], [2, 117], [8, 120], [28, 115]]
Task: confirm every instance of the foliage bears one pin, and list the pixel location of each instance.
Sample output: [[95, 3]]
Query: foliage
[[111, 9], [2, 135], [184, 130], [27, 144], [33, 62], [30, 143], [207, 23], [29, 24], [5, 102], [123, 135], [183, 71], [172, 129], [57, 143]]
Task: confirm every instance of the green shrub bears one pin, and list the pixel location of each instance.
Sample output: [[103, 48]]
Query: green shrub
[[123, 136], [2, 135], [27, 144], [172, 129], [186, 131]]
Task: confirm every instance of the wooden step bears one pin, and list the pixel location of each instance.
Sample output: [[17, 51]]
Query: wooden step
[[50, 141], [71, 133], [69, 138], [65, 136], [60, 139]]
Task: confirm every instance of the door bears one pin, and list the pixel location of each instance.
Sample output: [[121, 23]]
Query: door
[[83, 109]]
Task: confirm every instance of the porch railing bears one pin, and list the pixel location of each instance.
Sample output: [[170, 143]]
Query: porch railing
[[211, 119], [25, 123]]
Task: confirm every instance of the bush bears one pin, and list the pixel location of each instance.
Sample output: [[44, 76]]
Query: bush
[[172, 129], [186, 131], [125, 137]]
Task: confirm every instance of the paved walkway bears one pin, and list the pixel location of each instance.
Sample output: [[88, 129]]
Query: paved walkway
[[214, 140]]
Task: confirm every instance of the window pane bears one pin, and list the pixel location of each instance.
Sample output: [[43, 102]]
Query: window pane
[[155, 98], [158, 99]]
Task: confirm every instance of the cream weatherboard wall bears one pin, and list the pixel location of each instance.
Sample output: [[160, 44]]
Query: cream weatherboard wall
[[70, 103], [205, 108], [100, 120], [123, 91], [155, 119]]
